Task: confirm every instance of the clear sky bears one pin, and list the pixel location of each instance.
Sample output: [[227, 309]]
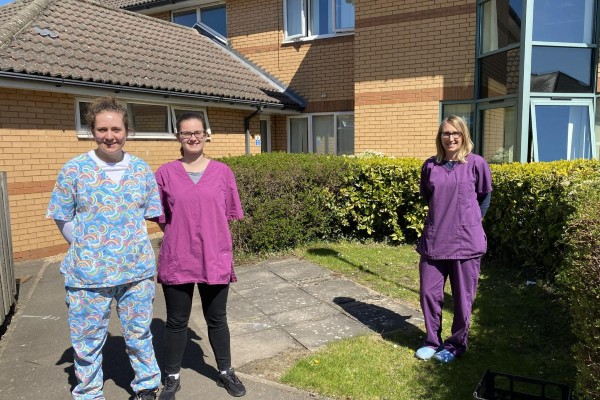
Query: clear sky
[[3, 2]]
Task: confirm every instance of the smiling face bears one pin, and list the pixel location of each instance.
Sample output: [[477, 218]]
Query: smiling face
[[452, 140], [192, 136], [110, 134]]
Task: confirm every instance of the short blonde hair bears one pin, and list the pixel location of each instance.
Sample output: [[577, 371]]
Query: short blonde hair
[[467, 145]]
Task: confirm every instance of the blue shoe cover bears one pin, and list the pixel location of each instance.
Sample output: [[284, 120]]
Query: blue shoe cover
[[425, 353], [444, 356]]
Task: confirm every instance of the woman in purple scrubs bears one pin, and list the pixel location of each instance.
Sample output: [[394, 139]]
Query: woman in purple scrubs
[[199, 197], [457, 186]]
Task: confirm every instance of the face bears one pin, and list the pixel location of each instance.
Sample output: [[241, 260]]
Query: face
[[452, 138], [192, 143], [110, 134]]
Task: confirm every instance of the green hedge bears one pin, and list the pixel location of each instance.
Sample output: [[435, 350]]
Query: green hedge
[[579, 278], [529, 210]]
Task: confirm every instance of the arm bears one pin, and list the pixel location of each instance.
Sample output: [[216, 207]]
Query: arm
[[66, 229], [484, 202]]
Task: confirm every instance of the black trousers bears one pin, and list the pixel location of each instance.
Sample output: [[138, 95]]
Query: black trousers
[[178, 299]]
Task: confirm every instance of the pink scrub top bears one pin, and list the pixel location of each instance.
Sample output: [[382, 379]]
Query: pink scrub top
[[196, 246], [453, 228]]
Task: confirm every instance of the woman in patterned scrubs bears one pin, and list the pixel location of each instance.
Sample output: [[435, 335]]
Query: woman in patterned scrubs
[[100, 202]]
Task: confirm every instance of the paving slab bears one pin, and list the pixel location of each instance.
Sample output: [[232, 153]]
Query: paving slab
[[276, 307]]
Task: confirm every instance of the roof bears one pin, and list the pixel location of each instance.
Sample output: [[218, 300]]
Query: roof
[[88, 43], [133, 3]]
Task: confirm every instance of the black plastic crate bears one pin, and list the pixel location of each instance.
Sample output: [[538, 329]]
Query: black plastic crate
[[500, 386]]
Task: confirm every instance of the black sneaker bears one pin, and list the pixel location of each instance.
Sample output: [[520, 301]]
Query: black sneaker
[[146, 394], [170, 388], [231, 382]]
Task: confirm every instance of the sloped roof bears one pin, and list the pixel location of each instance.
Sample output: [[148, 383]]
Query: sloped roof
[[131, 3], [83, 41]]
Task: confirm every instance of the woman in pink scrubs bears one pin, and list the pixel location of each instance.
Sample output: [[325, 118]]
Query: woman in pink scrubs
[[457, 186], [199, 197]]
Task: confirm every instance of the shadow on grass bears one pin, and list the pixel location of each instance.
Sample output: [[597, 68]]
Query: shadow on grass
[[516, 329], [327, 252]]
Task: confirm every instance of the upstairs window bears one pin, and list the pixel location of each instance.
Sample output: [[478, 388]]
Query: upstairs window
[[314, 18], [214, 18]]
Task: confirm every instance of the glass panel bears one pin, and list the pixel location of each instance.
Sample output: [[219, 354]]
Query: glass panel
[[561, 70], [569, 21], [215, 18], [465, 111], [323, 139], [264, 136], [344, 14], [499, 74], [186, 18], [299, 135], [294, 17], [563, 132], [597, 128], [345, 134], [499, 134], [148, 117], [320, 18], [501, 24], [83, 107]]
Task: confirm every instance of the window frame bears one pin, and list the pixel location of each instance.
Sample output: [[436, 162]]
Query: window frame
[[305, 21], [202, 24], [310, 137], [83, 132]]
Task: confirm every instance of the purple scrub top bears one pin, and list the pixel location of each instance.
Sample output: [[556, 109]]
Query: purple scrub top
[[453, 228], [196, 246]]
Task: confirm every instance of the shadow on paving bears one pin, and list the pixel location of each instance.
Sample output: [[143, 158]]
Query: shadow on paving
[[516, 329], [116, 366]]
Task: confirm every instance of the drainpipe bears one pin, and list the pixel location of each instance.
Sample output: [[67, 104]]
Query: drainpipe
[[247, 127]]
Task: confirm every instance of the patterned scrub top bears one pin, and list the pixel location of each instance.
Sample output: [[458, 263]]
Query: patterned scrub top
[[110, 241]]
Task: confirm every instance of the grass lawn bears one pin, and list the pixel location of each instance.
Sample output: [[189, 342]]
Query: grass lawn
[[517, 329]]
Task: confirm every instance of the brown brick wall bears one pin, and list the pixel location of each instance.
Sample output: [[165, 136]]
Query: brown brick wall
[[409, 56], [319, 70], [165, 15], [37, 136]]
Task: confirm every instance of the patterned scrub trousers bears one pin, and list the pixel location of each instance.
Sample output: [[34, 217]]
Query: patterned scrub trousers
[[89, 314]]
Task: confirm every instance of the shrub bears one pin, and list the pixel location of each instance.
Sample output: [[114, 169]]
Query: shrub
[[286, 200], [579, 278]]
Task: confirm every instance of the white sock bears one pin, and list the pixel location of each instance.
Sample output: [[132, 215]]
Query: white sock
[[176, 376]]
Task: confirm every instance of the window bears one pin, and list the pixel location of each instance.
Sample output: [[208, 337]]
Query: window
[[561, 129], [310, 18], [501, 24], [499, 128], [146, 120], [322, 134], [215, 18]]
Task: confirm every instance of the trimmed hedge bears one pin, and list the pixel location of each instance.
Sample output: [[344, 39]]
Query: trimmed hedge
[[579, 278]]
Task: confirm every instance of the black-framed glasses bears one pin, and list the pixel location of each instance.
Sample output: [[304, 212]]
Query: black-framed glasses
[[448, 135], [188, 134]]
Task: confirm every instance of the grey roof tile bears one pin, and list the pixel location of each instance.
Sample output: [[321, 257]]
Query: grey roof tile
[[86, 41]]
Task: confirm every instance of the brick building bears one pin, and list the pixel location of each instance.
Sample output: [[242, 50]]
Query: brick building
[[341, 76]]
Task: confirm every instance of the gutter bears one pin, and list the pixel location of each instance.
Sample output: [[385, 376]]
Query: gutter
[[247, 127], [60, 82]]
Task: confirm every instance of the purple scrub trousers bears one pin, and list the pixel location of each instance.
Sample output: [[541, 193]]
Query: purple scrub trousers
[[464, 275]]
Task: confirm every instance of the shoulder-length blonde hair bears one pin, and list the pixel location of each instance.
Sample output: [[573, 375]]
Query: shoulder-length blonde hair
[[467, 145]]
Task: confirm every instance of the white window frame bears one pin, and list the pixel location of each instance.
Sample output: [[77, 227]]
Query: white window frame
[[305, 19], [84, 132], [267, 118], [589, 103], [310, 138], [198, 10]]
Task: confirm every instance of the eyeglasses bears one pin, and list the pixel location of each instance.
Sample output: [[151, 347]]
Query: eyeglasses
[[455, 135], [199, 134]]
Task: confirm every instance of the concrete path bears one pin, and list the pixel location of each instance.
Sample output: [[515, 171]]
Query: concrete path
[[275, 307]]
